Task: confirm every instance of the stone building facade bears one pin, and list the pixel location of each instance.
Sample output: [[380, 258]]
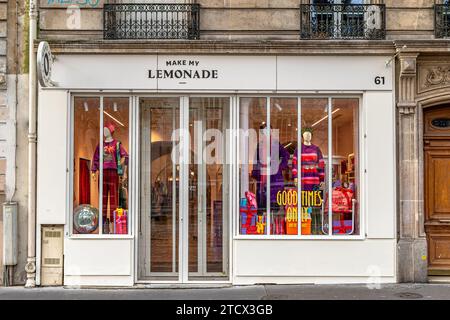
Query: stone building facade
[[268, 27], [422, 88], [13, 125]]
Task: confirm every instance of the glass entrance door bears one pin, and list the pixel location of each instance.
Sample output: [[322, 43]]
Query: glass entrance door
[[208, 189], [184, 214], [159, 190]]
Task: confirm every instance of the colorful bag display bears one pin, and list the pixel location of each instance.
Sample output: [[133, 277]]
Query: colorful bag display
[[341, 200], [120, 221], [248, 215], [251, 199]]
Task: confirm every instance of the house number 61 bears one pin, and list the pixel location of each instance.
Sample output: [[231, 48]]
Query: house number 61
[[380, 80]]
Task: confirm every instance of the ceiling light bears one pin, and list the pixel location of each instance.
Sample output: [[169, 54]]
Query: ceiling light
[[86, 106], [113, 118], [324, 118], [115, 106]]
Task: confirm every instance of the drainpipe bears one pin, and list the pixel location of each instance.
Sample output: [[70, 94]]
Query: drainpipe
[[30, 267]]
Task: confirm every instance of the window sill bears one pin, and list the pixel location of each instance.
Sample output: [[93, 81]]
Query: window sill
[[302, 238]]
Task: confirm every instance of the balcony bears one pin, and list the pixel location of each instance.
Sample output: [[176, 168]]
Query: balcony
[[151, 21], [442, 20], [342, 21]]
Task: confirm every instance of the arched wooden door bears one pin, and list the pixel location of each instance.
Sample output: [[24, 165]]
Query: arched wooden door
[[437, 188]]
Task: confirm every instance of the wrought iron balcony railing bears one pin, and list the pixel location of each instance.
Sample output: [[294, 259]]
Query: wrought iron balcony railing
[[151, 21], [343, 21], [442, 20]]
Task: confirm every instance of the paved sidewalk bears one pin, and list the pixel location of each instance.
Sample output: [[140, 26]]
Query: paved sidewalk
[[261, 292]]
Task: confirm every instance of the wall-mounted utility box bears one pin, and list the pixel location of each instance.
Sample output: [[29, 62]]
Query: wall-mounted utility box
[[52, 256], [9, 233]]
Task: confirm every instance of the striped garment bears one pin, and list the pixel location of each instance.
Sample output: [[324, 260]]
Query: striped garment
[[312, 167]]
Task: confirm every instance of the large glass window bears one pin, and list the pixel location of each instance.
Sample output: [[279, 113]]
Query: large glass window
[[100, 172], [294, 154]]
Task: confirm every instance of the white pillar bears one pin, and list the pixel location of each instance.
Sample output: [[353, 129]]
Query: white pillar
[[30, 267]]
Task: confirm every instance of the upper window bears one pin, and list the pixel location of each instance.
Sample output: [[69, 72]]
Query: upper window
[[442, 19], [299, 161], [342, 19], [100, 160], [150, 20]]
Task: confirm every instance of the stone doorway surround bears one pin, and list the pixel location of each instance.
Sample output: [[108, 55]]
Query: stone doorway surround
[[423, 81]]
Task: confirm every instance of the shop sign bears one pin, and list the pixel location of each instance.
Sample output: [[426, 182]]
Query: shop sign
[[44, 65], [176, 72], [189, 69], [222, 72]]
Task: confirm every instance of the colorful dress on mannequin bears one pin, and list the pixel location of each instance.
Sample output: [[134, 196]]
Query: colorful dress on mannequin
[[312, 175], [111, 172], [312, 167]]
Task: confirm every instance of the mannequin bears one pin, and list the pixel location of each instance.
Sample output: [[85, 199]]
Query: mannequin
[[260, 170], [312, 174], [312, 163], [115, 160]]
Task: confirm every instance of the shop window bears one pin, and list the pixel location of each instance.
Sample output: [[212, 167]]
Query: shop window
[[100, 172], [292, 157]]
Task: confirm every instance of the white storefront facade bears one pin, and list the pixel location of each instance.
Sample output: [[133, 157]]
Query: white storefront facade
[[150, 209]]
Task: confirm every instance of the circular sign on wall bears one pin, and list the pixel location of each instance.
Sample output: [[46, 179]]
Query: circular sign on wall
[[44, 64]]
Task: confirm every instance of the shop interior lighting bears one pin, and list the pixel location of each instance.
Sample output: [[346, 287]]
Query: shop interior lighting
[[324, 118], [86, 106], [278, 107], [115, 106], [113, 118]]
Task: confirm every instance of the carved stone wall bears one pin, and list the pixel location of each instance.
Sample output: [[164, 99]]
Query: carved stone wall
[[433, 76], [412, 246], [422, 76]]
